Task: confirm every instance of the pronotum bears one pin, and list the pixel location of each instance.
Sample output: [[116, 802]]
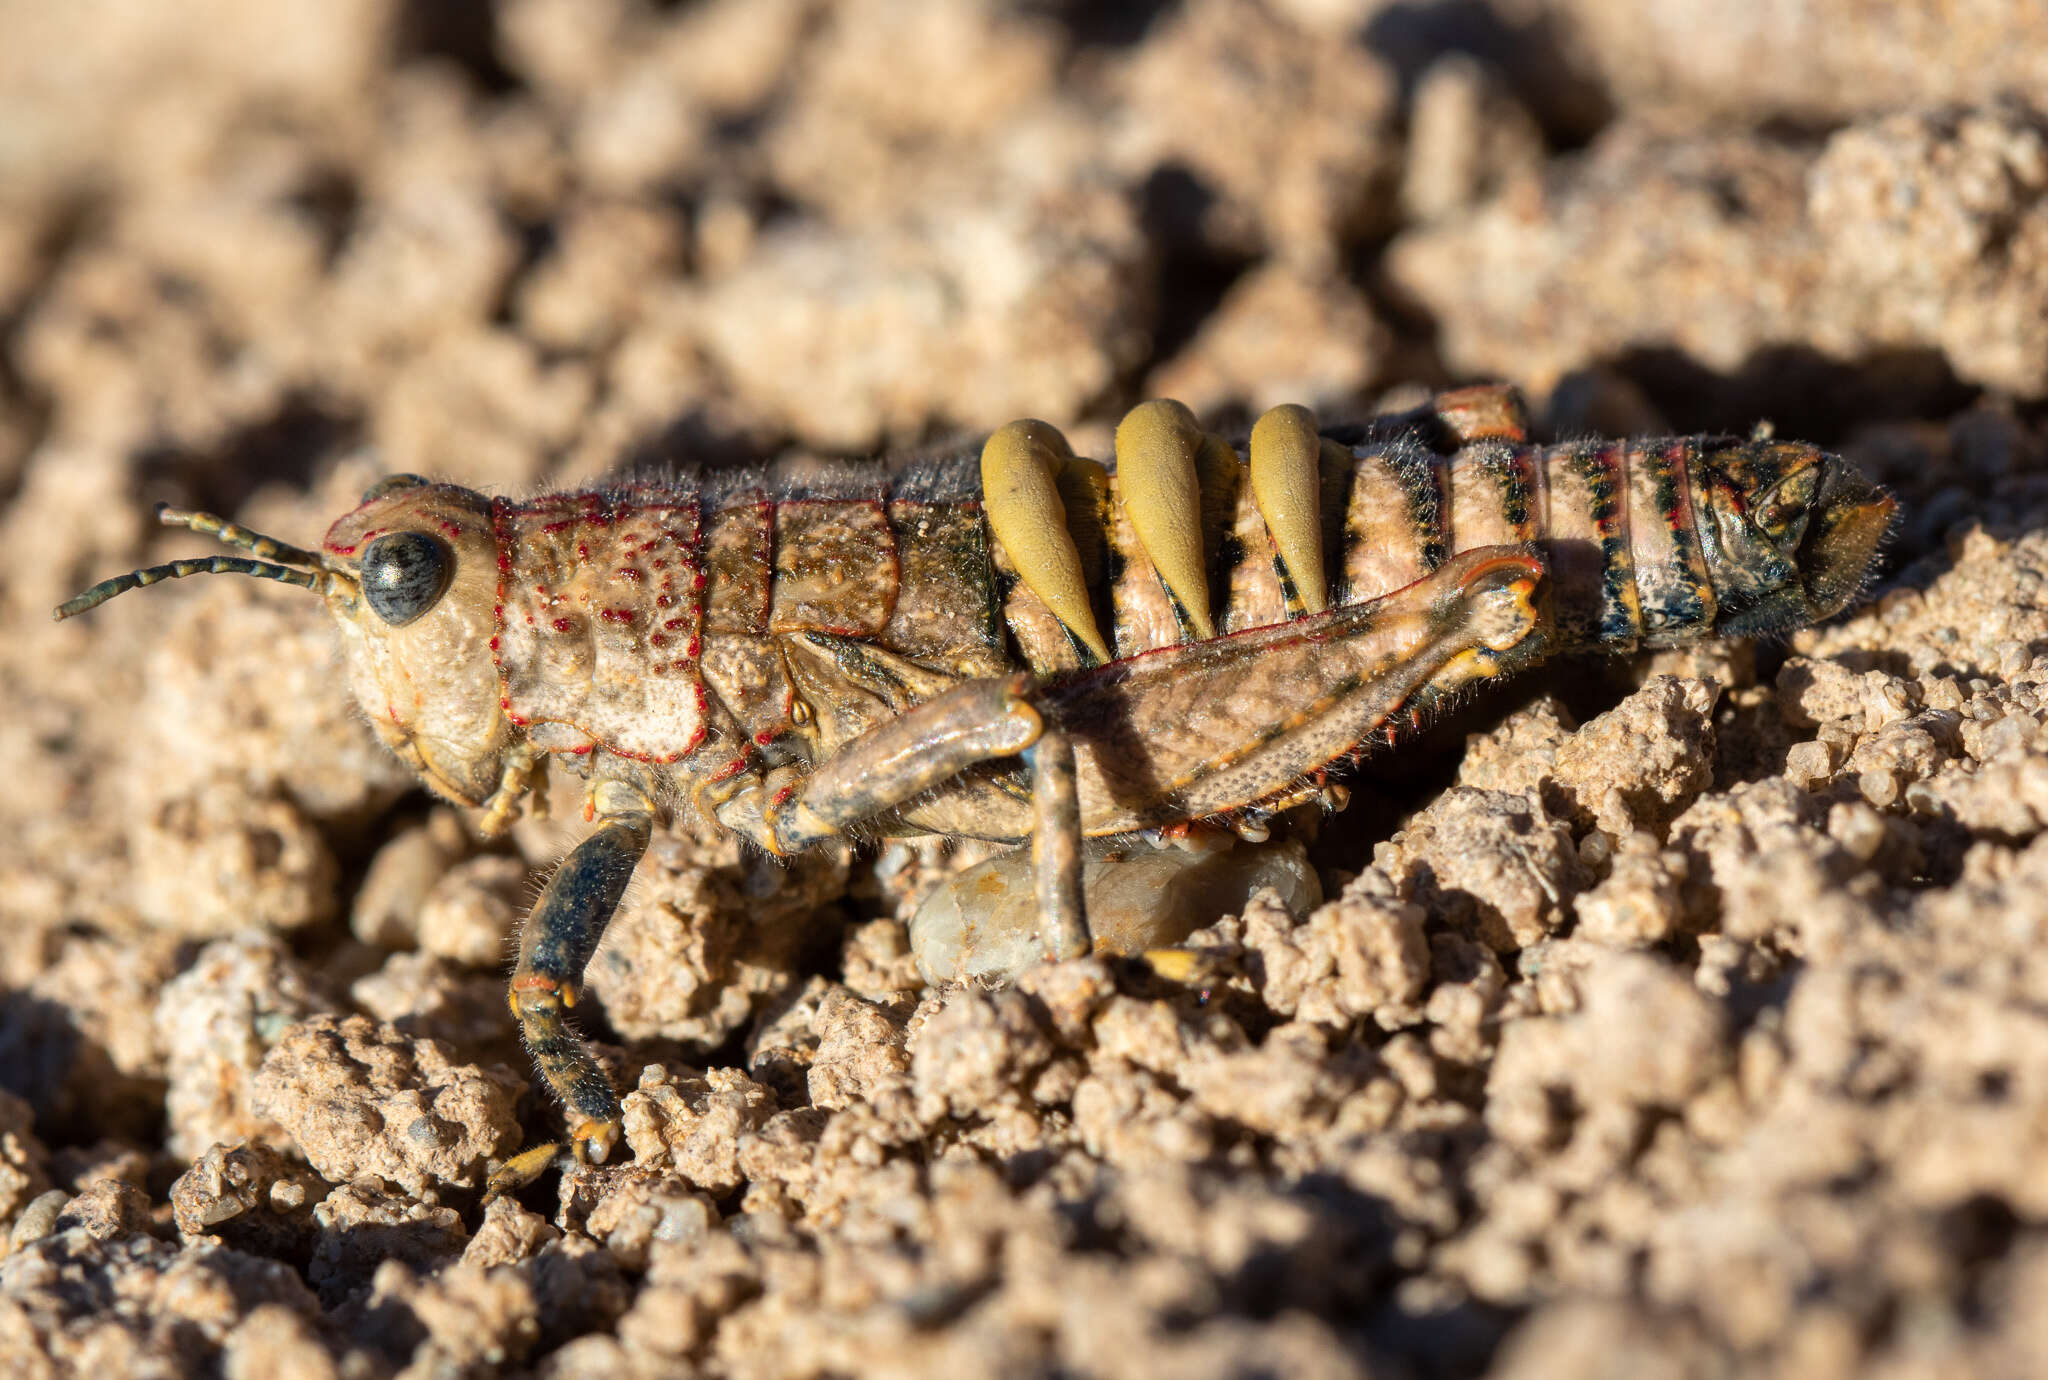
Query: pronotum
[[1036, 648]]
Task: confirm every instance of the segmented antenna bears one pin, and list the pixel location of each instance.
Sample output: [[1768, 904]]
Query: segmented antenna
[[234, 534], [274, 560], [201, 565]]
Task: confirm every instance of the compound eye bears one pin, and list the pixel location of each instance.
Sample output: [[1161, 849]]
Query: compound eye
[[405, 574]]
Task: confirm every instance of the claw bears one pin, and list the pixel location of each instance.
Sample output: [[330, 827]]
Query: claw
[[593, 1140]]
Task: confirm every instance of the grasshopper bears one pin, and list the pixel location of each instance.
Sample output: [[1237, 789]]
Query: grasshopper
[[1036, 647]]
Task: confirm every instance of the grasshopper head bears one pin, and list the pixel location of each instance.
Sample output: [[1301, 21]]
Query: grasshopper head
[[1790, 533], [416, 599], [411, 577]]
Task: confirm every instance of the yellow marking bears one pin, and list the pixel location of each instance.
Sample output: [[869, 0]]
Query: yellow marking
[[1175, 965], [1467, 666], [1020, 490], [522, 772], [1158, 445], [521, 1170], [1286, 463]]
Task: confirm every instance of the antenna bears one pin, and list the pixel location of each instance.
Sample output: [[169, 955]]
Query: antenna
[[202, 565], [269, 559], [234, 534]]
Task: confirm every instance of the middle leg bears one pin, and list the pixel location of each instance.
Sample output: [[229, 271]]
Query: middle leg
[[895, 762], [555, 946]]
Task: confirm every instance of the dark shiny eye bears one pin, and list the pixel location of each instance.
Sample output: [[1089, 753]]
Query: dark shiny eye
[[405, 574]]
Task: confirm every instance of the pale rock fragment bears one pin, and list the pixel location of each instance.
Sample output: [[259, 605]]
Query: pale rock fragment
[[363, 1228], [694, 1124], [216, 1021], [1497, 866], [472, 913], [361, 1099], [250, 1197]]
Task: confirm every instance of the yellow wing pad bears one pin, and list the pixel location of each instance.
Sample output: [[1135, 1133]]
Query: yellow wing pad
[[1159, 449], [1021, 469], [1286, 466]]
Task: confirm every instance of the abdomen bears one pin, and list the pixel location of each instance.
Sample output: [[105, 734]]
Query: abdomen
[[1402, 495], [1614, 518]]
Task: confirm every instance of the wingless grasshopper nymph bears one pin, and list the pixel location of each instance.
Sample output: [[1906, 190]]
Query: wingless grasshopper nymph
[[1040, 648]]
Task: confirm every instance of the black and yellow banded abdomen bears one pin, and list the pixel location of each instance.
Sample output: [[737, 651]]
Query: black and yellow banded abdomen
[[1649, 542]]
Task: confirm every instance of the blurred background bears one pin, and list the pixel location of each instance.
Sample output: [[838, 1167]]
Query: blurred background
[[516, 243]]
